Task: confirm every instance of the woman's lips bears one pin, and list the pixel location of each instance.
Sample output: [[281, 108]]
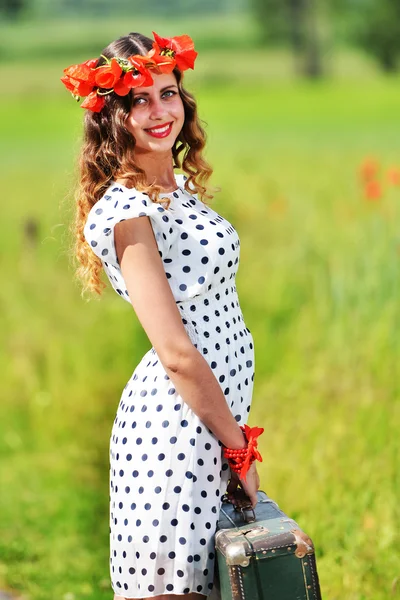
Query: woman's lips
[[160, 132]]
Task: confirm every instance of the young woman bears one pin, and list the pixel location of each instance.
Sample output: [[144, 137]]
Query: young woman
[[174, 259]]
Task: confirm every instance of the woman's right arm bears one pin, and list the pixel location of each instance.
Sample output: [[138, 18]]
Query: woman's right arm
[[156, 309]]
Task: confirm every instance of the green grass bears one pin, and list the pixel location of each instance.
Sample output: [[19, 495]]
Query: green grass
[[319, 287]]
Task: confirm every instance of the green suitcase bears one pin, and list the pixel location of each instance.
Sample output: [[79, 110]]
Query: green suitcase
[[262, 554]]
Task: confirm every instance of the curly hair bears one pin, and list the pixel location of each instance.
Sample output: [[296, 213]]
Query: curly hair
[[106, 155]]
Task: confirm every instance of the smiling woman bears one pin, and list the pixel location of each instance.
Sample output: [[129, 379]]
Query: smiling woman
[[157, 112], [174, 259], [124, 138]]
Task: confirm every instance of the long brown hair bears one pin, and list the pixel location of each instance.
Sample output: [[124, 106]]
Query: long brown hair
[[106, 155]]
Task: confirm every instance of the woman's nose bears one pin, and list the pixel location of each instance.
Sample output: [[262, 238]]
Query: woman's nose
[[157, 110]]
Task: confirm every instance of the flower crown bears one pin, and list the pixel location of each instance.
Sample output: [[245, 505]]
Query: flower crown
[[120, 75]]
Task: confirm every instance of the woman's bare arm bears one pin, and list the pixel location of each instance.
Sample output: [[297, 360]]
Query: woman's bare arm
[[156, 309]]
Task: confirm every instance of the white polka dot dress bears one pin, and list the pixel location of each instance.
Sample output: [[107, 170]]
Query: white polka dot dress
[[167, 471]]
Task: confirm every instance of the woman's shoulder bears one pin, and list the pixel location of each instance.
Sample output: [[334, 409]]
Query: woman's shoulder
[[117, 203], [118, 198]]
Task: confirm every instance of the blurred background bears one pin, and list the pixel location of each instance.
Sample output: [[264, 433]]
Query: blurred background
[[301, 104]]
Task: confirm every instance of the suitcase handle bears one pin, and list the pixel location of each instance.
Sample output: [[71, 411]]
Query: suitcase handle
[[243, 503]]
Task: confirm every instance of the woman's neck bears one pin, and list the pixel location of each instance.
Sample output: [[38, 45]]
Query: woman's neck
[[158, 168]]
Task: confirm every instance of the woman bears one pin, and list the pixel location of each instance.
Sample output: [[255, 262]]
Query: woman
[[188, 399]]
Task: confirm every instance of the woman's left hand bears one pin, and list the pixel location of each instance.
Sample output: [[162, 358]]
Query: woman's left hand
[[235, 481]]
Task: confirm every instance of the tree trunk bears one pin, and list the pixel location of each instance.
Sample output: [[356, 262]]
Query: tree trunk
[[312, 59], [12, 8], [388, 61], [297, 20]]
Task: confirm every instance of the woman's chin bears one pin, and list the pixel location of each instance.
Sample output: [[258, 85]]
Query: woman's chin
[[156, 145]]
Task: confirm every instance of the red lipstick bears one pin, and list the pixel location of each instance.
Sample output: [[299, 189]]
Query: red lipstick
[[161, 131]]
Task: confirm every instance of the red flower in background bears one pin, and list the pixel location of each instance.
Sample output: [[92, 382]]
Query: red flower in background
[[369, 169], [373, 190], [393, 176]]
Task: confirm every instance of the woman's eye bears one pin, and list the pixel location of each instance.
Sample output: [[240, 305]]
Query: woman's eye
[[136, 100]]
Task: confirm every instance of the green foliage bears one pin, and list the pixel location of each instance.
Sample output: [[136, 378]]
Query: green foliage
[[297, 24], [273, 19], [67, 40], [374, 25], [379, 31], [14, 9]]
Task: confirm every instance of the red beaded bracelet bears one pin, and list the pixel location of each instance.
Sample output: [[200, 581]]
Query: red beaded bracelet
[[240, 459]]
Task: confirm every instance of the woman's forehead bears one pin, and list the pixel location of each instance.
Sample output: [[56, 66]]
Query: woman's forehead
[[161, 80]]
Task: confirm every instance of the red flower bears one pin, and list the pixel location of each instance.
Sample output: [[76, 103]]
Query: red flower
[[121, 88], [139, 77], [159, 62], [180, 47], [373, 190], [79, 79], [121, 75], [91, 63], [107, 76], [143, 63], [94, 102], [369, 169], [393, 176]]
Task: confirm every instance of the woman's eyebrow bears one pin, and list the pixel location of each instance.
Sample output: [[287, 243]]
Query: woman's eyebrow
[[162, 90]]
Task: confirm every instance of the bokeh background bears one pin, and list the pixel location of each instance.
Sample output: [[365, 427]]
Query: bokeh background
[[301, 103]]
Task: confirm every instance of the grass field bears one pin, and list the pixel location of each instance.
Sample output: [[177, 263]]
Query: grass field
[[319, 287]]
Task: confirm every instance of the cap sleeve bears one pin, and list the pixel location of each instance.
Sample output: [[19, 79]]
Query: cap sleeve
[[118, 204]]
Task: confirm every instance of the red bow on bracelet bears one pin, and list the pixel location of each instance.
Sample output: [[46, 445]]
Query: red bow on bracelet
[[241, 459]]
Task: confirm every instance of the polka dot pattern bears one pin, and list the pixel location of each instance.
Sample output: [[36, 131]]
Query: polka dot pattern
[[198, 247], [167, 472]]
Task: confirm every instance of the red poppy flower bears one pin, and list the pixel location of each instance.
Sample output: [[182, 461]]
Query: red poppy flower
[[77, 88], [142, 61], [159, 62], [119, 76], [94, 102], [180, 47], [155, 61], [373, 190], [130, 80], [393, 176], [140, 76], [369, 169], [121, 88], [107, 76], [79, 79]]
